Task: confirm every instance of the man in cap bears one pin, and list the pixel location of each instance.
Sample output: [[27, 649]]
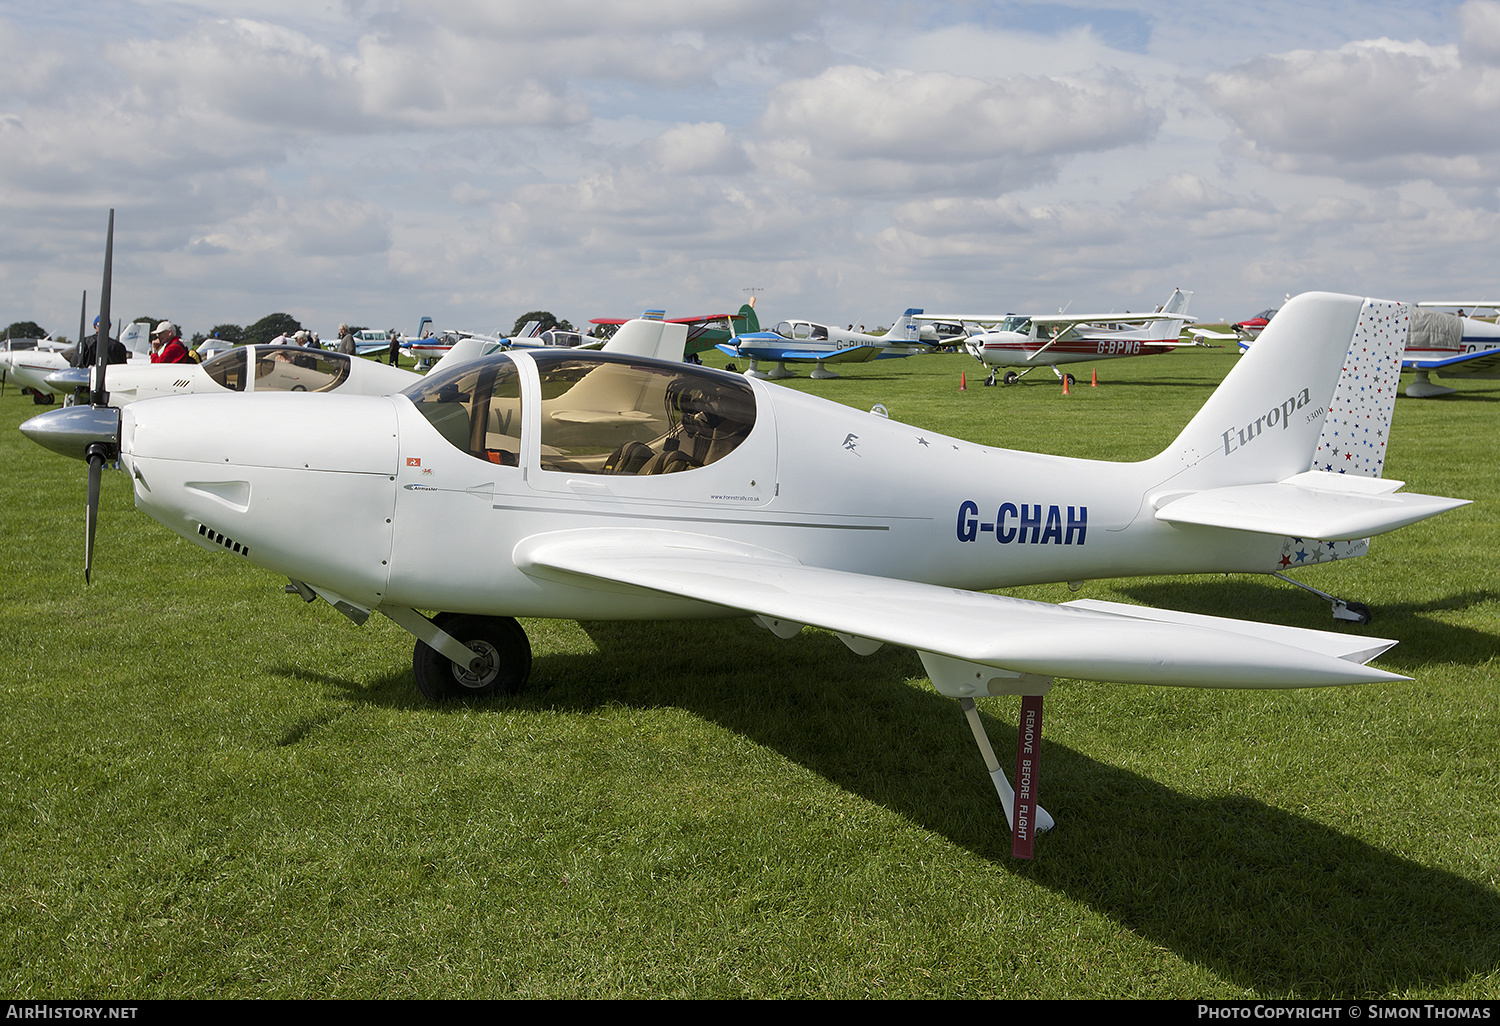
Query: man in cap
[[83, 354], [166, 344]]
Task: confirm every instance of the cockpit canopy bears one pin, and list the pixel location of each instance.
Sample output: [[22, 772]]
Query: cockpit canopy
[[279, 369], [800, 330], [600, 414]]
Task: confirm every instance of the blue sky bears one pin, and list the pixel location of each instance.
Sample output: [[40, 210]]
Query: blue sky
[[375, 162]]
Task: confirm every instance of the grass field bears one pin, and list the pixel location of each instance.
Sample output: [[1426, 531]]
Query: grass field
[[210, 789]]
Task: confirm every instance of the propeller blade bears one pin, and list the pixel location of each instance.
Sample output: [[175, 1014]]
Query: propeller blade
[[83, 313], [91, 515], [99, 397]]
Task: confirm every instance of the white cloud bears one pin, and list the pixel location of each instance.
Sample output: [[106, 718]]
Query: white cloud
[[856, 129], [1375, 110]]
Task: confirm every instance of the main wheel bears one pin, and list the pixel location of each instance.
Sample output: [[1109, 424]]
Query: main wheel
[[1011, 377], [499, 639]]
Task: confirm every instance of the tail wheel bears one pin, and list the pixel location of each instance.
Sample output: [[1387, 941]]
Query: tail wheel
[[498, 639]]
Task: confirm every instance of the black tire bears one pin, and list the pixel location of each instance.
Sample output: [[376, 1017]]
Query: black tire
[[1070, 379], [499, 638], [1360, 609], [1011, 377]]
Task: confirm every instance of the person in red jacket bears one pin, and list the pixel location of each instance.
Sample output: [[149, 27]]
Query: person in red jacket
[[166, 345]]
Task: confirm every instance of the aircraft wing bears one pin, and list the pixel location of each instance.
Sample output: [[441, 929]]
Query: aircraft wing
[[1141, 318], [1482, 362], [963, 636], [1318, 504]]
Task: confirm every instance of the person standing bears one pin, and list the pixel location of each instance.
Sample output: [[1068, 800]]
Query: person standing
[[346, 340]]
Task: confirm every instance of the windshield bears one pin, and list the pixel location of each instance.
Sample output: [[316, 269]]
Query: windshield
[[228, 369], [477, 407], [295, 369]]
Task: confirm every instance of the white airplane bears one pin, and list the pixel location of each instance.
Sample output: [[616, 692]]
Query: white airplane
[[553, 483], [27, 362], [1016, 340], [1458, 345], [811, 342], [299, 369], [243, 369]]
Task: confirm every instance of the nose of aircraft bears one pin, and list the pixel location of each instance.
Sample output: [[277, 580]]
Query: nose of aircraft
[[72, 430], [300, 484]]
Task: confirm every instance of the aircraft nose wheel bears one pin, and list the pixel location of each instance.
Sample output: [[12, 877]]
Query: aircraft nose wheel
[[503, 664]]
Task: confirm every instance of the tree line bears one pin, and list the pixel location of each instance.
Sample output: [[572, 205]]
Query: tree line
[[259, 333]]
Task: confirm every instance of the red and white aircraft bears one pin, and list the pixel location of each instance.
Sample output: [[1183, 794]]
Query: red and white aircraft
[[1027, 342]]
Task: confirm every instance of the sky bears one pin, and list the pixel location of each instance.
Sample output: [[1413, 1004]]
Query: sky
[[377, 161]]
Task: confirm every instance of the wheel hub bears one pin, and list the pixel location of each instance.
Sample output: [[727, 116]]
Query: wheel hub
[[482, 670]]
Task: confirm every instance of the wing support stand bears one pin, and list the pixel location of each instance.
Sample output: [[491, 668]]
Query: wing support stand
[[1355, 612], [964, 680]]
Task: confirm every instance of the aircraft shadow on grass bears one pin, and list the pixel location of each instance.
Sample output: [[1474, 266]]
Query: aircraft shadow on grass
[[1371, 921]]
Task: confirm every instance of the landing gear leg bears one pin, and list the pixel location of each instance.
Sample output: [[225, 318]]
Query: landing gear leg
[[1356, 612]]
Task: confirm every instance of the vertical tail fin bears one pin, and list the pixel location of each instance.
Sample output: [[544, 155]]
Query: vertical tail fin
[[1316, 391], [905, 330], [1177, 303]]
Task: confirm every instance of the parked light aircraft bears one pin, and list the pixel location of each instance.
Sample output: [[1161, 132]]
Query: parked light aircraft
[[602, 486], [1457, 345], [298, 369], [1016, 340], [1250, 328], [244, 369], [811, 342], [27, 362]]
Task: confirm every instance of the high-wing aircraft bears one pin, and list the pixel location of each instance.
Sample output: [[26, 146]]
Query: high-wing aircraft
[[705, 331], [1027, 342], [811, 342], [607, 486]]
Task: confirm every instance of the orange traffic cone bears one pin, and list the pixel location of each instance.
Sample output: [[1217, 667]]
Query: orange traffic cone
[[1095, 382], [1065, 385], [963, 382]]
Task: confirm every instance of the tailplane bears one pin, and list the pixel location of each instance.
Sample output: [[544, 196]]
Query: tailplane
[[1293, 442]]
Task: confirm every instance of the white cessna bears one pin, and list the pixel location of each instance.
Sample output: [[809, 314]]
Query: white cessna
[[602, 486], [1049, 340]]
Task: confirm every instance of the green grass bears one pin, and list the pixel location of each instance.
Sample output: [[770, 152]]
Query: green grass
[[210, 789]]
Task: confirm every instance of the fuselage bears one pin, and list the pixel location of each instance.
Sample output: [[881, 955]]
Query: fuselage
[[401, 500], [1014, 349]]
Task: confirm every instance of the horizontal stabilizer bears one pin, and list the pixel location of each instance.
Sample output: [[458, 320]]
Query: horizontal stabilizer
[[1315, 504], [1017, 635]]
